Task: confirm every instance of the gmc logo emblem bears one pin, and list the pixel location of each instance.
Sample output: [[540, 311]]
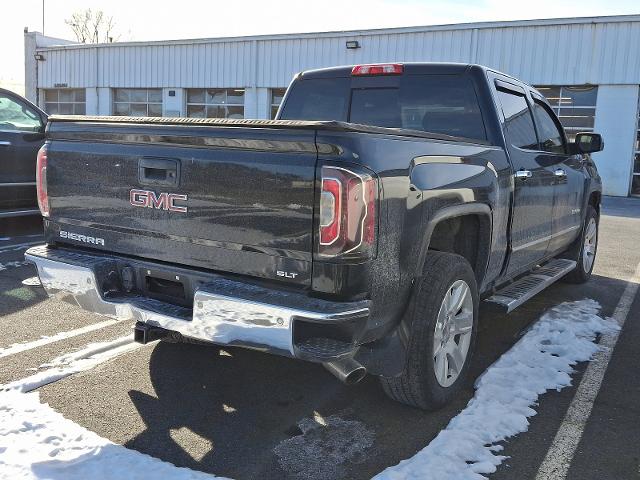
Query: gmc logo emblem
[[162, 201]]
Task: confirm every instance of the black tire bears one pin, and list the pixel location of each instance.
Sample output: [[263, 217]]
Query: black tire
[[581, 274], [418, 386]]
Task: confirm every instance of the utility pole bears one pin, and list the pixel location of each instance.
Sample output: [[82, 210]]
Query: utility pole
[[42, 17]]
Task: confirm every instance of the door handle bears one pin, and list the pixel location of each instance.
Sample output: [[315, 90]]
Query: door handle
[[158, 171], [5, 144], [559, 173], [523, 174]]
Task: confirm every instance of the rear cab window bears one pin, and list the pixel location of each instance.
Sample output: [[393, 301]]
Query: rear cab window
[[436, 103]]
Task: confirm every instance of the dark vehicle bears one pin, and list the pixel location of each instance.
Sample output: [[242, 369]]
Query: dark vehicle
[[359, 230], [22, 126]]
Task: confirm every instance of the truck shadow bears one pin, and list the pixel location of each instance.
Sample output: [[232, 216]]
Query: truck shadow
[[246, 415], [14, 296]]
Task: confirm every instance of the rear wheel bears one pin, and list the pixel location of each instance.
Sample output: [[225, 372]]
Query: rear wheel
[[583, 251], [443, 330]]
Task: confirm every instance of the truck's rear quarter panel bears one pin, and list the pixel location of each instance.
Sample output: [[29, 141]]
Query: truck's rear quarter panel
[[406, 210]]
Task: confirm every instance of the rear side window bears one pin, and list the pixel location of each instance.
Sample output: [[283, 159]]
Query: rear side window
[[551, 138], [518, 120], [443, 104]]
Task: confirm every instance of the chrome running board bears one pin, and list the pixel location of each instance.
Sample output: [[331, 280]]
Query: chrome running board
[[515, 294]]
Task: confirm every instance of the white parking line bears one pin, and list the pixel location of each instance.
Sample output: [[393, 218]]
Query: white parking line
[[66, 365], [559, 456], [23, 347]]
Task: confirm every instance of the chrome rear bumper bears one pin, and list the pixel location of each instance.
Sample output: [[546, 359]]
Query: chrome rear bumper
[[224, 312]]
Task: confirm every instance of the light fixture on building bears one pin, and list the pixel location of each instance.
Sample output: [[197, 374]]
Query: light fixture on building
[[352, 44], [39, 57]]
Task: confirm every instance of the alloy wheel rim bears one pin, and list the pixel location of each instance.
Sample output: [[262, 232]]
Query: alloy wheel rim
[[590, 243], [452, 334]]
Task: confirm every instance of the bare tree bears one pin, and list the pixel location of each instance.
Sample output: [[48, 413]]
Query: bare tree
[[92, 27]]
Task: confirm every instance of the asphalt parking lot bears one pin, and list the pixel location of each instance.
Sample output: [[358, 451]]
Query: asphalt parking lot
[[241, 414]]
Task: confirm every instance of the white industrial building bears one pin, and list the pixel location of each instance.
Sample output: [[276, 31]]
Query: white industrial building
[[589, 68]]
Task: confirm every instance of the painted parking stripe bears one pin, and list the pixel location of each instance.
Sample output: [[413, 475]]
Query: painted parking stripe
[[23, 347], [559, 456], [66, 365]]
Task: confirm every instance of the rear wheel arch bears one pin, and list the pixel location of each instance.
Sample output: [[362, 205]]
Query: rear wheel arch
[[464, 230]]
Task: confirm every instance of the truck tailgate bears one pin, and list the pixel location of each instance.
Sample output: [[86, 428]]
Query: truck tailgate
[[228, 199]]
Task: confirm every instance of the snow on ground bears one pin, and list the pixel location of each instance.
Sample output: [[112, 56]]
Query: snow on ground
[[505, 394], [38, 443], [75, 362]]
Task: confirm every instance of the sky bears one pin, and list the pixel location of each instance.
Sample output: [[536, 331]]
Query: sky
[[158, 20]]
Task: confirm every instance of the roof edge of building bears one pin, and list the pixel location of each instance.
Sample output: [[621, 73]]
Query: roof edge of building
[[356, 33]]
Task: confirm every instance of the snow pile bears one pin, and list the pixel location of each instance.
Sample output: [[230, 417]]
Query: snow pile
[[66, 365], [38, 443], [542, 360]]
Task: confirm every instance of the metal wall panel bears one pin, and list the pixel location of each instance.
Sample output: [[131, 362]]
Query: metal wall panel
[[577, 51], [224, 64]]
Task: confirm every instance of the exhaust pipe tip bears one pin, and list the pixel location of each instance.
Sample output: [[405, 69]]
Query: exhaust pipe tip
[[347, 370]]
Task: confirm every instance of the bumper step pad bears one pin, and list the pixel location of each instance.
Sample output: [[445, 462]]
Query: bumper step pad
[[324, 348]]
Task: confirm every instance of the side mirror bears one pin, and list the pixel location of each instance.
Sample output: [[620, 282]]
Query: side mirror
[[589, 142]]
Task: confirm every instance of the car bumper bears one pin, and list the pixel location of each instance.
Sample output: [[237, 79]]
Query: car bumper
[[224, 312]]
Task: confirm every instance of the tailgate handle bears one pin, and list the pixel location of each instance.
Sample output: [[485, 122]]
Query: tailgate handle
[[159, 171]]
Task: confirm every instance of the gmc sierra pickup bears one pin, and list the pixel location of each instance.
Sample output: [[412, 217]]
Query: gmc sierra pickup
[[359, 230]]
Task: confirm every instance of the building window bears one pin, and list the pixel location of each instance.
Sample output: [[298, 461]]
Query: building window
[[277, 94], [575, 106], [635, 180], [215, 103], [137, 102], [65, 101]]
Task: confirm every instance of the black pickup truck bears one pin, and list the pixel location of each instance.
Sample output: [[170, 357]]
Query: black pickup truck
[[359, 230]]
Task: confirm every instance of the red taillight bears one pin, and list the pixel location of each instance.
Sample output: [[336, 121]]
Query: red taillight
[[347, 212], [330, 209], [41, 181], [378, 69]]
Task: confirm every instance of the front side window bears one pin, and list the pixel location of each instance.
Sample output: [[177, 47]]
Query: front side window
[[65, 101], [518, 120], [277, 94], [574, 105], [137, 102], [16, 116], [215, 103], [551, 138]]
